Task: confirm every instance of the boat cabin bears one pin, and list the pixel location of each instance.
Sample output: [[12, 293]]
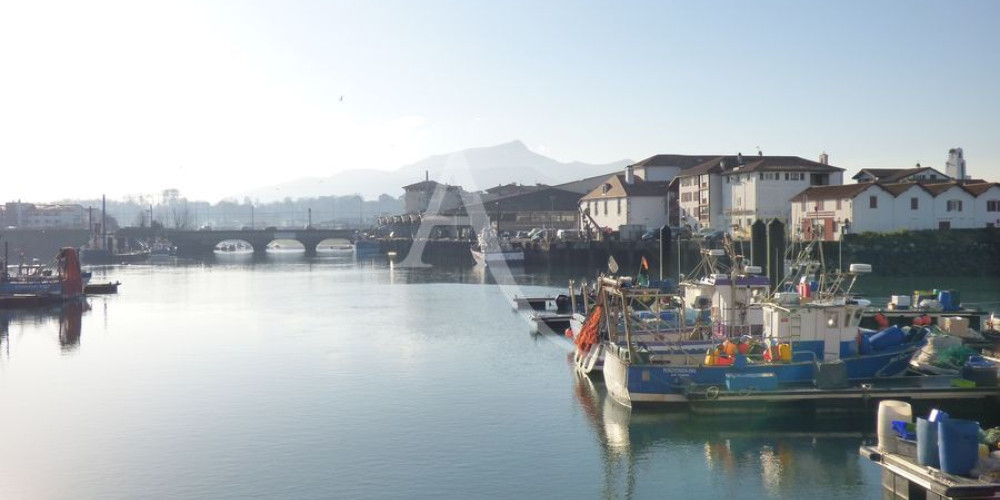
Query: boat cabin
[[827, 329]]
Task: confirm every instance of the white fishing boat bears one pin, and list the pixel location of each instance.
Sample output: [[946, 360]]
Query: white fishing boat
[[342, 249], [490, 249]]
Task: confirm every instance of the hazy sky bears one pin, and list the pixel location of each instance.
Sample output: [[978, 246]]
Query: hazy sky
[[215, 98]]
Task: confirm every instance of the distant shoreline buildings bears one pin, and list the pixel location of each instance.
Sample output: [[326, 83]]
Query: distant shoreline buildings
[[728, 193], [17, 215]]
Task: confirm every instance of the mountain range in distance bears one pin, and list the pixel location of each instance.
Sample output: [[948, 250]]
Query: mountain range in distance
[[473, 169]]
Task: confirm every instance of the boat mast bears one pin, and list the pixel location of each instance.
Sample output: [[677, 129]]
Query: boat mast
[[104, 222]]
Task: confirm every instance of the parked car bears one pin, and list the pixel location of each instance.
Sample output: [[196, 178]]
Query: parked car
[[543, 234], [568, 234], [270, 228]]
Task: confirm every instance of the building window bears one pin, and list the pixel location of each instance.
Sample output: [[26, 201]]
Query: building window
[[838, 203], [619, 206], [944, 225], [873, 202], [954, 205], [606, 207], [761, 176], [993, 205], [914, 203]]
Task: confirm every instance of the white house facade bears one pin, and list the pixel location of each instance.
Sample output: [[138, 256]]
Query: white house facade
[[986, 209], [625, 199], [953, 206], [700, 195], [828, 212], [759, 187], [417, 197]]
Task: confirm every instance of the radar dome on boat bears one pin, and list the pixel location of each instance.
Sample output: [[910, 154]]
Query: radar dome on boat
[[861, 268], [753, 270]]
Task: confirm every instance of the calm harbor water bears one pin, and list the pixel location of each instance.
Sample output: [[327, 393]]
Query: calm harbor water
[[326, 378]]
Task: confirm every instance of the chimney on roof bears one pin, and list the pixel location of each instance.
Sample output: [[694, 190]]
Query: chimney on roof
[[739, 159], [427, 175], [824, 158], [629, 175]]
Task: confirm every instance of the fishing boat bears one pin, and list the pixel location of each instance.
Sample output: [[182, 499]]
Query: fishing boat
[[67, 283], [339, 249], [730, 292], [811, 341], [717, 301], [33, 279], [108, 288], [161, 249], [490, 249]]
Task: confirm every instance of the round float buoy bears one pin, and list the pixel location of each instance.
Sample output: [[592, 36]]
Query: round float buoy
[[569, 333]]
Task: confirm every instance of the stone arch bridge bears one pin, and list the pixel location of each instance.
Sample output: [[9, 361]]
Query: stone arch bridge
[[193, 243]]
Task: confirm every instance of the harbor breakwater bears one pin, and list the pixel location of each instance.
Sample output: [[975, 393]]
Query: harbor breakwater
[[957, 252]]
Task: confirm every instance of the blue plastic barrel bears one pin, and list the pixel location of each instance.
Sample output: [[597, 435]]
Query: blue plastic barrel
[[944, 297], [927, 443], [890, 337], [958, 445]]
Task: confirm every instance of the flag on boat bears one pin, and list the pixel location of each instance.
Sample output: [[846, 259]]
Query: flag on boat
[[645, 263]]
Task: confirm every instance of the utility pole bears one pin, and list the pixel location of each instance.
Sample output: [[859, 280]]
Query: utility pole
[[310, 218]]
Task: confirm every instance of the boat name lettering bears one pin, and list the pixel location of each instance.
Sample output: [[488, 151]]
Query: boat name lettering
[[680, 370]]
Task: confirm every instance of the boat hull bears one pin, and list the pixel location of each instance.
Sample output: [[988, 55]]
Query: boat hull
[[671, 382], [508, 256]]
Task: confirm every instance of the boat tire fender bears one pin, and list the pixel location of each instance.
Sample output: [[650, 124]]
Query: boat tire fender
[[712, 392]]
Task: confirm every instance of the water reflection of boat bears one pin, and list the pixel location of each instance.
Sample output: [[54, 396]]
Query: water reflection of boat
[[69, 315], [764, 457], [367, 248]]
